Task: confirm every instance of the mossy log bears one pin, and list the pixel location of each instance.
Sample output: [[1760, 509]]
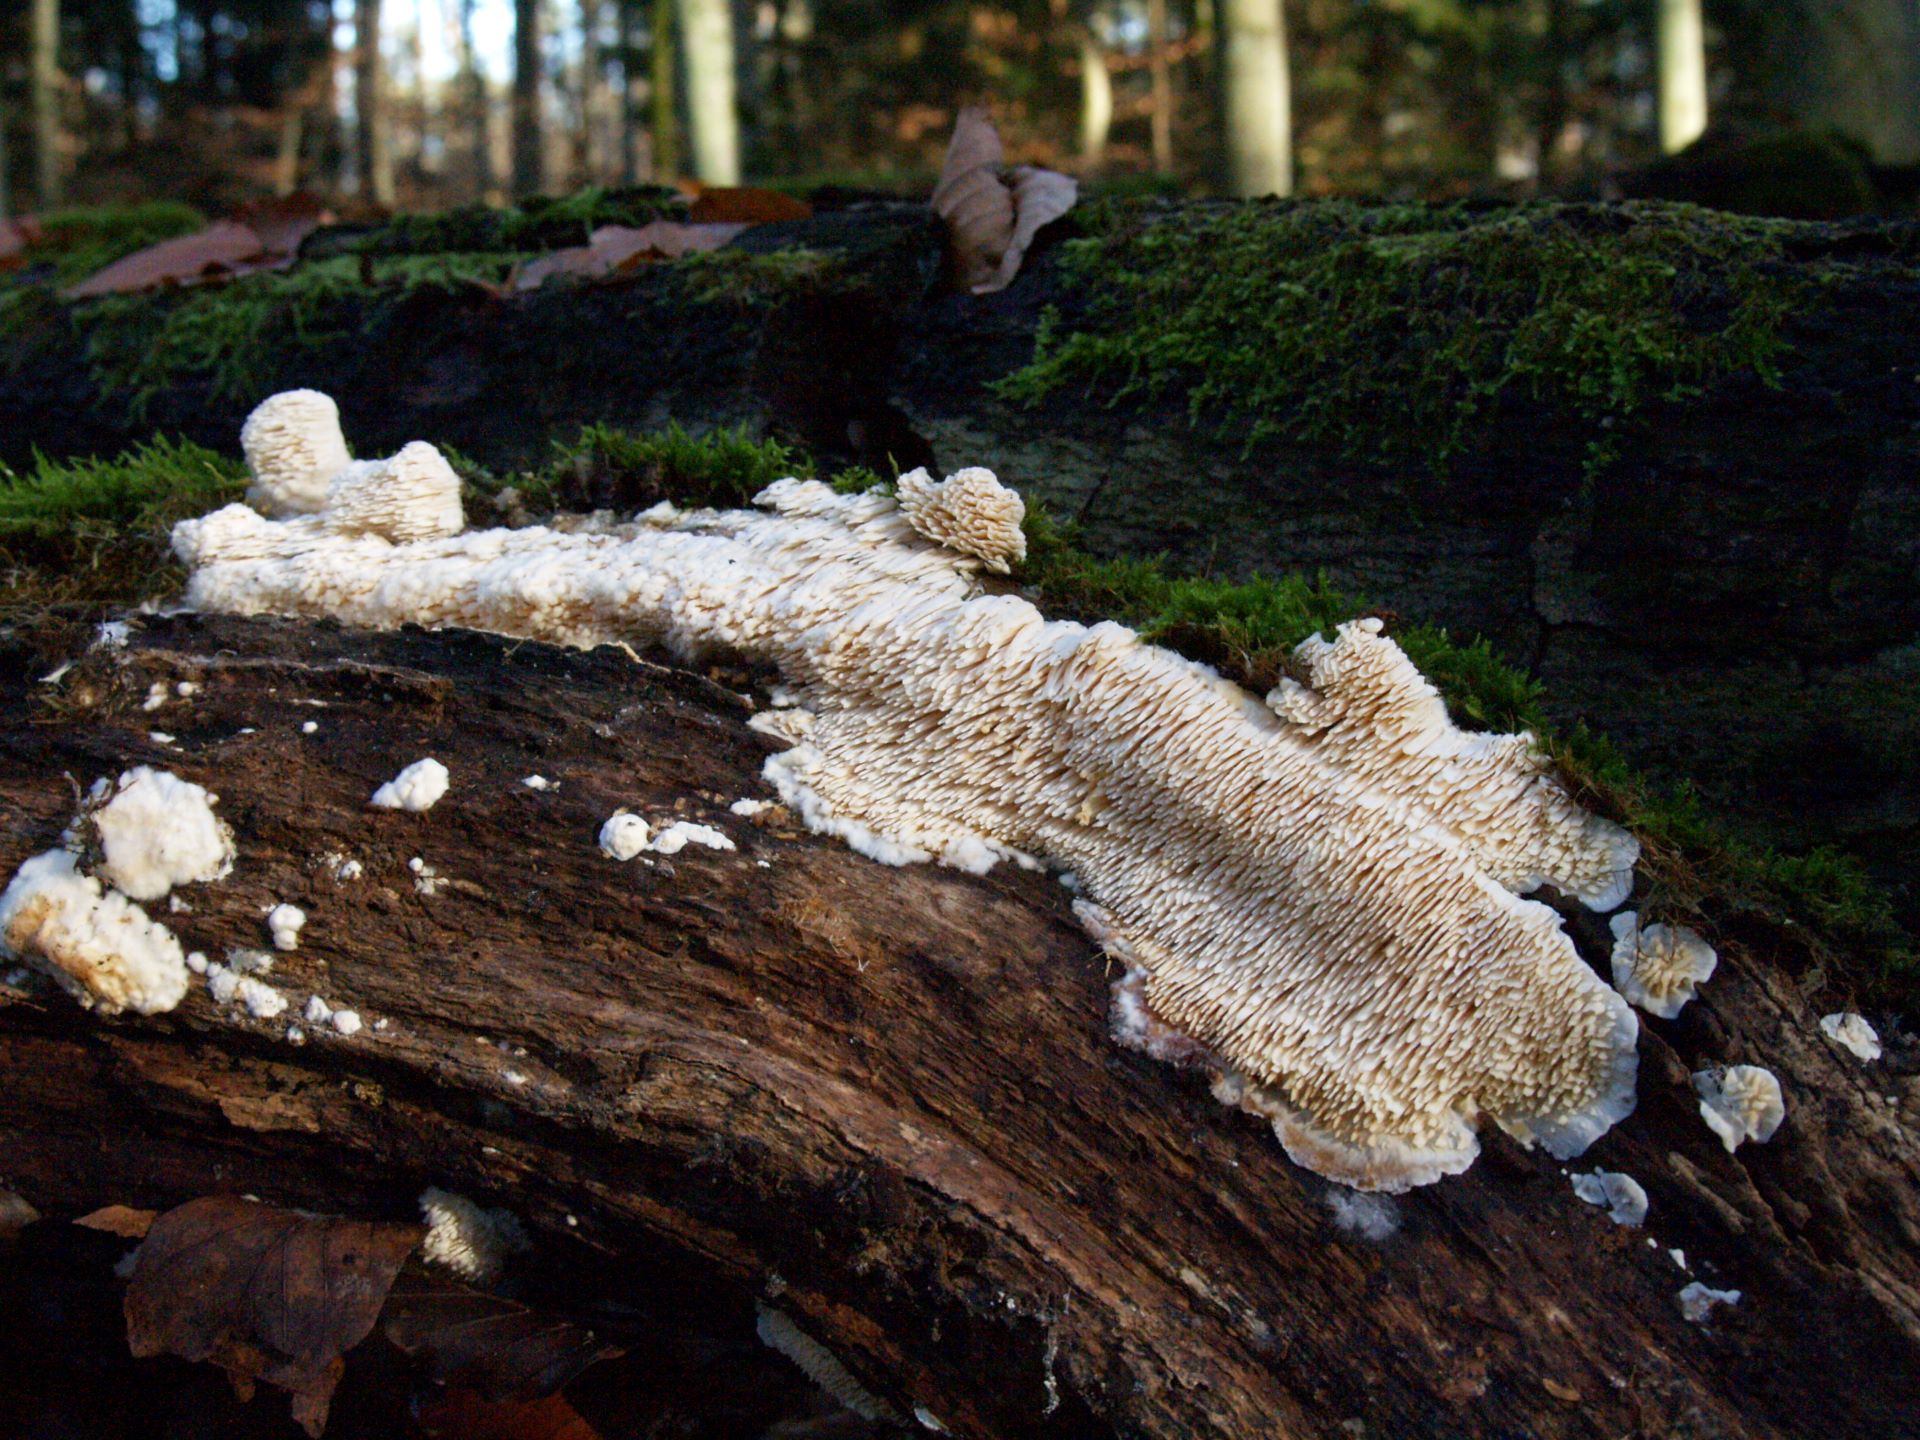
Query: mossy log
[[884, 1101]]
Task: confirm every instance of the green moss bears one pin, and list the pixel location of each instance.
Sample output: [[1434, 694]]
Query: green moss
[[238, 335], [723, 467], [745, 278], [1392, 333], [81, 241], [533, 225]]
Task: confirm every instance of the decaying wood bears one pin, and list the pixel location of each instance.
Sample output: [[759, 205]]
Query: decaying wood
[[882, 1100]]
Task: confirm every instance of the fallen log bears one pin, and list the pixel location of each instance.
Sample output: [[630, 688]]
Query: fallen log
[[882, 1102]]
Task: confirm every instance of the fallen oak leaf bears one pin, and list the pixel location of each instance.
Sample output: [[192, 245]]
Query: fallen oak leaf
[[500, 1348], [615, 248], [283, 221], [264, 1293], [993, 218], [743, 205], [222, 249], [1040, 197], [121, 1220]]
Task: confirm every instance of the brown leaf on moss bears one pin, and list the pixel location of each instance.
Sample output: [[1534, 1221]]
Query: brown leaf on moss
[[283, 221], [742, 205], [615, 248], [121, 1220], [992, 218], [497, 1347], [221, 250], [264, 1293]]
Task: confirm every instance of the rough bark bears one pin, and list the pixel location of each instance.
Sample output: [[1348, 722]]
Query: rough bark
[[884, 1100]]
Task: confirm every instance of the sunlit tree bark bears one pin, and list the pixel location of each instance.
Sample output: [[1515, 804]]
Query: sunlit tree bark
[[706, 32], [375, 138], [527, 167], [1682, 51], [1258, 99], [45, 87], [1851, 66], [1162, 88], [1096, 99]]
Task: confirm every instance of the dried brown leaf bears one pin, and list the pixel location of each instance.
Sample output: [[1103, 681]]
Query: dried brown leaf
[[497, 1347], [121, 1220], [222, 249], [16, 1213], [283, 221], [614, 248], [463, 1415], [1039, 198], [974, 201], [741, 205], [264, 1293]]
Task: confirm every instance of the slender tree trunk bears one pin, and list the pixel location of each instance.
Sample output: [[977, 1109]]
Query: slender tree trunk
[[527, 167], [1162, 89], [629, 16], [286, 160], [1096, 99], [706, 29], [375, 138], [1259, 103], [45, 86], [666, 118], [1682, 48], [479, 130], [590, 153], [1851, 66]]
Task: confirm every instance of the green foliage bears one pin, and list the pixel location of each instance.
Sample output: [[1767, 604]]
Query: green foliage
[[533, 225], [740, 277], [1392, 333], [82, 240], [239, 334], [723, 467]]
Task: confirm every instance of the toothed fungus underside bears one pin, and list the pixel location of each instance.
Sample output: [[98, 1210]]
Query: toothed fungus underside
[[1657, 967], [1740, 1103], [1320, 894], [970, 512], [1853, 1032], [474, 1243], [294, 449]]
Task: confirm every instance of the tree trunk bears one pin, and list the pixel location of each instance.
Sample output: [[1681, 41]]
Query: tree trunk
[[1161, 92], [664, 63], [44, 84], [706, 32], [374, 137], [591, 152], [479, 107], [528, 163], [1096, 100], [882, 1100], [1682, 49], [1852, 66], [1258, 102], [628, 13]]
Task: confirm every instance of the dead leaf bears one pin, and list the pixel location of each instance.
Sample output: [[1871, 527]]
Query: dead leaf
[[463, 1415], [16, 1213], [616, 248], [220, 250], [742, 205], [15, 238], [121, 1220], [283, 221], [499, 1348], [264, 1293], [992, 219], [1564, 1393]]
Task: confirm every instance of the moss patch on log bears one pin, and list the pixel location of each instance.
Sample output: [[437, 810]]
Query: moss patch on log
[[535, 224], [1393, 333]]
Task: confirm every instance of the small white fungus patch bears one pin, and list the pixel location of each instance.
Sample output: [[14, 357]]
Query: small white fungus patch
[[1371, 1217], [284, 923], [1740, 1103], [347, 1022], [1697, 1301], [156, 696], [1853, 1033], [308, 727], [158, 831], [682, 833], [99, 945], [747, 808], [624, 836], [538, 782], [472, 1242], [317, 1011], [160, 737], [415, 788], [1621, 1195]]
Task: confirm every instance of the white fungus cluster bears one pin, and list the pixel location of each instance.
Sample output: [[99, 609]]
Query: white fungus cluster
[[1657, 966], [417, 787], [294, 448], [156, 831], [1621, 1196], [300, 467], [1321, 892], [472, 1242], [970, 511], [1697, 1301], [284, 923], [1740, 1103], [626, 835], [1853, 1033], [98, 944]]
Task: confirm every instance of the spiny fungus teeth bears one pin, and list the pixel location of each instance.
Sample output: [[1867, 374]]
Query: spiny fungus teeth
[[970, 511], [413, 496], [820, 1365], [1657, 966], [472, 1242], [98, 944], [1740, 1103], [1853, 1032], [156, 831], [1622, 1196], [294, 448], [1374, 713], [1323, 897]]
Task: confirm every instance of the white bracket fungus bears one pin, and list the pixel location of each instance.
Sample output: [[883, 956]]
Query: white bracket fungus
[[1852, 1032], [284, 923], [1323, 893], [418, 787], [473, 1243], [1621, 1195], [98, 944], [157, 831], [1657, 966], [1740, 1103], [1697, 1301]]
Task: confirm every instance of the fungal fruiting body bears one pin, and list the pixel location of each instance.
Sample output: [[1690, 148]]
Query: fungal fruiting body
[[1622, 1196], [682, 833], [820, 1365], [1740, 1103], [294, 448], [284, 923], [624, 836], [98, 944], [1318, 894], [157, 831], [472, 1242], [1657, 966], [1697, 1301], [1852, 1032], [970, 512], [418, 787]]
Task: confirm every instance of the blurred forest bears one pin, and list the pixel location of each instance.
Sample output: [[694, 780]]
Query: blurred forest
[[379, 104]]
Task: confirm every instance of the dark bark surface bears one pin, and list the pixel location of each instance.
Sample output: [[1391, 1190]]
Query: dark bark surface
[[884, 1100]]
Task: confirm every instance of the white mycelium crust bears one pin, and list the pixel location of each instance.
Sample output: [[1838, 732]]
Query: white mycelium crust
[[970, 511], [294, 448], [1657, 966], [1322, 897], [98, 944], [158, 831]]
